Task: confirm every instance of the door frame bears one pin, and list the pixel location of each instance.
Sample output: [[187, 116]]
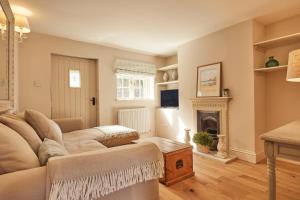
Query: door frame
[[97, 82]]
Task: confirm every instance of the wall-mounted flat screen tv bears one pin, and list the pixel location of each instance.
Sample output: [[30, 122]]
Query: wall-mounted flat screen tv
[[169, 98]]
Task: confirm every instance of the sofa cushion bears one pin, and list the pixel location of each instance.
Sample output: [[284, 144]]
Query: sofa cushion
[[110, 136], [80, 146], [19, 125], [117, 135], [50, 148], [15, 152], [44, 127]]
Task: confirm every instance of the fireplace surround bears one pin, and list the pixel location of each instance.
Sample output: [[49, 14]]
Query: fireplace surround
[[211, 114]]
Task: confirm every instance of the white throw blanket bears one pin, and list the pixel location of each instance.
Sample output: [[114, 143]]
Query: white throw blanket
[[115, 129], [94, 174]]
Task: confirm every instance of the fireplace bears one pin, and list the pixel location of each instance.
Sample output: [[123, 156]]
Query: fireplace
[[210, 114], [209, 121]]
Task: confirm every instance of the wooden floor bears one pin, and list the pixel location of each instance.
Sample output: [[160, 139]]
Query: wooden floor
[[238, 180]]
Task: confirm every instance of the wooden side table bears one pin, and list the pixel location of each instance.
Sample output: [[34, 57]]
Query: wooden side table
[[178, 158]]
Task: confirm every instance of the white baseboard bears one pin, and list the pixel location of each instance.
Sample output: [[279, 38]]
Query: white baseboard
[[247, 155], [260, 156]]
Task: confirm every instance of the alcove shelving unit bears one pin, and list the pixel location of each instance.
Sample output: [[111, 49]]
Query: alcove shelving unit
[[278, 47], [167, 69], [270, 86]]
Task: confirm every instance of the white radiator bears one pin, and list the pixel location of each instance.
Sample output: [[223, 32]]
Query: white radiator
[[135, 118]]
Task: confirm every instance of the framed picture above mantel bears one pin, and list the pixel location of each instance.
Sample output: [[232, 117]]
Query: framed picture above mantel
[[209, 80]]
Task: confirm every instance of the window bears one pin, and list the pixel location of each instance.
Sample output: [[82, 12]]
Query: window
[[135, 87], [74, 78]]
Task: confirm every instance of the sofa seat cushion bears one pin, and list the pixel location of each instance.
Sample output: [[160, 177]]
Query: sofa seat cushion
[[19, 125], [109, 136], [84, 134], [43, 126], [15, 152], [81, 146]]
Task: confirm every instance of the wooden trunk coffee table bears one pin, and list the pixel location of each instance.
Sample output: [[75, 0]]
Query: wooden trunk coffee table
[[178, 158]]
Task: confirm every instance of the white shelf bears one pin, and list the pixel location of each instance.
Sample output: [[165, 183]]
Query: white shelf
[[169, 67], [280, 41], [168, 82], [271, 69]]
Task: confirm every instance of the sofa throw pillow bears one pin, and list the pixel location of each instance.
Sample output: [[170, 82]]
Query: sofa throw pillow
[[15, 152], [43, 126], [50, 148], [19, 125]]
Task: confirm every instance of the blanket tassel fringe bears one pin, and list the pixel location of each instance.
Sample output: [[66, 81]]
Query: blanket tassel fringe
[[93, 187]]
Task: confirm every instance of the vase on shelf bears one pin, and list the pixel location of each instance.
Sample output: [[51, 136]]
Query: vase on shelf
[[272, 62], [174, 75], [165, 77]]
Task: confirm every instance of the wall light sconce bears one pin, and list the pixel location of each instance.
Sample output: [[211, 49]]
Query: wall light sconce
[[21, 26], [293, 71], [2, 25]]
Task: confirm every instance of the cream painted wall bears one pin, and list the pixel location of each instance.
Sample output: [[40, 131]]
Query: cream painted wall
[[171, 60], [283, 105], [35, 65], [283, 27], [233, 47]]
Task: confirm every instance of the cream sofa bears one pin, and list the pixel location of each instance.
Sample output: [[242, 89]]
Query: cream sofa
[[84, 145]]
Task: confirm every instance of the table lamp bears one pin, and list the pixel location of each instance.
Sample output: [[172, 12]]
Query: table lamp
[[293, 71]]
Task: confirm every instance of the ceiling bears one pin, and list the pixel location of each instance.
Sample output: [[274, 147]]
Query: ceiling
[[155, 27]]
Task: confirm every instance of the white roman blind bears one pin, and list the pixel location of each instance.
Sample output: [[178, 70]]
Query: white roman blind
[[135, 80], [134, 67]]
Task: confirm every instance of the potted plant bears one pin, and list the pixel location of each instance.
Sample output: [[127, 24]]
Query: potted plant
[[203, 141]]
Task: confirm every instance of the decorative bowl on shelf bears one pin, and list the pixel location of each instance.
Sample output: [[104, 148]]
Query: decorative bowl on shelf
[[272, 62]]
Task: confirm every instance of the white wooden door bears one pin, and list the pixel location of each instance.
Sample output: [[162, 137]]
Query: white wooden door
[[74, 89]]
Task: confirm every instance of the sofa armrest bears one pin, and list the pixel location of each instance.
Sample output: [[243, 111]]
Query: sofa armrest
[[24, 184], [69, 124]]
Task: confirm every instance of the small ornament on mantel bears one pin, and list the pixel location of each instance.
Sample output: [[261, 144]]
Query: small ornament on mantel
[[226, 92]]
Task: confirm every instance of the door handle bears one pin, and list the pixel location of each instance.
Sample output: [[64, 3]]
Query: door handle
[[93, 100]]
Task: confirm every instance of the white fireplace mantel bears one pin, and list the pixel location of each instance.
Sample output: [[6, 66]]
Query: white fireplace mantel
[[211, 100], [220, 104]]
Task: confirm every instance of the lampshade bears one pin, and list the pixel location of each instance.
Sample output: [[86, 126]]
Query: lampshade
[[21, 24], [293, 72]]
